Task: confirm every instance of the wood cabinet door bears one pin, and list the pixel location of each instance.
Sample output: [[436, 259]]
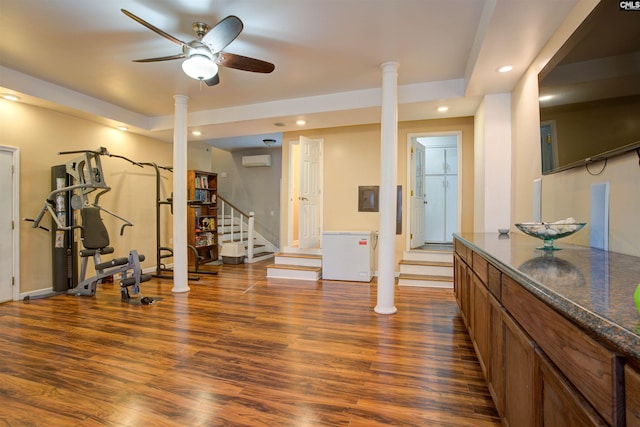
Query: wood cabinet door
[[632, 393], [496, 354], [458, 266], [561, 404], [519, 376], [462, 289], [481, 322], [469, 298]]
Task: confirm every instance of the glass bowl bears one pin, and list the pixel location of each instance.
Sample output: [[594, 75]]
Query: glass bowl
[[549, 232]]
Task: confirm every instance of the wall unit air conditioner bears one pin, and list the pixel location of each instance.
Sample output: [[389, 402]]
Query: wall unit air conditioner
[[255, 161]]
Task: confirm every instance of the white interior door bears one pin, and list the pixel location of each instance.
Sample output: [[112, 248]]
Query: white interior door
[[6, 230], [309, 194], [417, 194]]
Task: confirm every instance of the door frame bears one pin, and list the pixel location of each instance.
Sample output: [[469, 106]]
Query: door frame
[[15, 214], [292, 244], [410, 172]]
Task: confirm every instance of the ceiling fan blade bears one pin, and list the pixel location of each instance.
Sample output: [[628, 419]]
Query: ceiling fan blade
[[153, 28], [226, 31], [245, 63], [161, 58], [213, 80]]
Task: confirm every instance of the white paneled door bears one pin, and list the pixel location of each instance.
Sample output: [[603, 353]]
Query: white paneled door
[[309, 193], [6, 225]]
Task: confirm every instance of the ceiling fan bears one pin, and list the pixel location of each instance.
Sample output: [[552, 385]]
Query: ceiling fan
[[205, 54]]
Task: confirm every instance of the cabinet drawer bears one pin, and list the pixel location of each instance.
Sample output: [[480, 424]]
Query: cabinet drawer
[[632, 393], [460, 249], [595, 371], [481, 267]]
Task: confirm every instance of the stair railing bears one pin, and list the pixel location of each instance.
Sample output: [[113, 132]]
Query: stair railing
[[227, 210]]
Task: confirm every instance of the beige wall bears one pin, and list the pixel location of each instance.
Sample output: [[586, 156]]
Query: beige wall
[[568, 193], [40, 134], [352, 158]]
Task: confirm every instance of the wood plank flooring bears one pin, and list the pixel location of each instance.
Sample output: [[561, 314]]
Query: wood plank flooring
[[241, 350]]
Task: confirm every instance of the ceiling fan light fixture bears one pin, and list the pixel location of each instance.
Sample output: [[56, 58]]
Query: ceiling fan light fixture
[[199, 67]]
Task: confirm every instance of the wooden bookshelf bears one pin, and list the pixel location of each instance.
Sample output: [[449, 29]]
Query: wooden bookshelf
[[202, 215]]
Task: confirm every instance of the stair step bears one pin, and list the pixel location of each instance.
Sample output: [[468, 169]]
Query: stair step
[[427, 263], [429, 268], [425, 281], [243, 241], [283, 271], [235, 234], [304, 260], [425, 255], [261, 254]]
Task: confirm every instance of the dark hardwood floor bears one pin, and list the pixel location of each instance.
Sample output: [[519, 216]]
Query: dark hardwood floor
[[241, 350]]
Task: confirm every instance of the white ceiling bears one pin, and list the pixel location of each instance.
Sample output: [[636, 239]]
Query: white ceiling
[[76, 56]]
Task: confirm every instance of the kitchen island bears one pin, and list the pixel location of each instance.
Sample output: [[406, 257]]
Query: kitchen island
[[556, 332]]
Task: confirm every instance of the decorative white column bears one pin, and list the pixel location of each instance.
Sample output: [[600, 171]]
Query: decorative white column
[[180, 259], [388, 190]]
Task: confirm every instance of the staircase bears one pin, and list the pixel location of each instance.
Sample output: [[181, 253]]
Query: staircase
[[427, 268], [299, 264], [235, 226]]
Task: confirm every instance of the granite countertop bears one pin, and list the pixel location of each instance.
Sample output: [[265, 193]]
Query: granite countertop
[[591, 287]]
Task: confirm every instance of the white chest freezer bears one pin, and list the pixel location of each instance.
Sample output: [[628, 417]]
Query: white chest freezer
[[348, 255]]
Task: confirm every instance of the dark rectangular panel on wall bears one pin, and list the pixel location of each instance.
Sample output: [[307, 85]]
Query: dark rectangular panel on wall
[[368, 198]]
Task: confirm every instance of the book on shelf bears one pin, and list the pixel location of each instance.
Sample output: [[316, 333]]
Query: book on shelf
[[202, 181], [201, 195]]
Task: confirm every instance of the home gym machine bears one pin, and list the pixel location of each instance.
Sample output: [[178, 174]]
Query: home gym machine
[[73, 188]]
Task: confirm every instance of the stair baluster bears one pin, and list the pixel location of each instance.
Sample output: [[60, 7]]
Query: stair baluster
[[238, 220]]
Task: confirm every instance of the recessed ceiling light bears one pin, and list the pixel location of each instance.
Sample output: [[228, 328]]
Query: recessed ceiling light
[[505, 69], [443, 108], [196, 133], [10, 97], [123, 128], [545, 98], [301, 122]]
